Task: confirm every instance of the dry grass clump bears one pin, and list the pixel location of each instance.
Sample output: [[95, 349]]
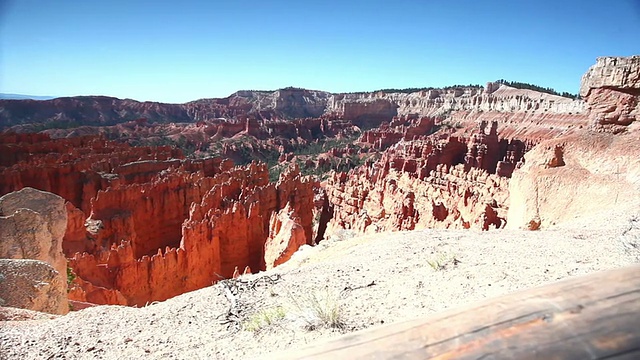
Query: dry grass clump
[[442, 260], [264, 318], [319, 309], [310, 311]]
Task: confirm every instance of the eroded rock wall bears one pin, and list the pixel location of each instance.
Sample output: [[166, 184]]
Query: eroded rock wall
[[365, 109], [572, 177], [439, 102], [611, 89], [240, 220], [447, 183], [145, 225], [585, 173], [74, 168]]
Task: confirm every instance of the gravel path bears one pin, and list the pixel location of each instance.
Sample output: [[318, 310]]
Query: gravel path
[[371, 280]]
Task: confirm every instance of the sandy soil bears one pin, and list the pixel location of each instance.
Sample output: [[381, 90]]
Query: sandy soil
[[369, 281]]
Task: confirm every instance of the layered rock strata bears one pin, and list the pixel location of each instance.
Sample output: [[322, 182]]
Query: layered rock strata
[[583, 174], [75, 168], [400, 128], [611, 89], [364, 109]]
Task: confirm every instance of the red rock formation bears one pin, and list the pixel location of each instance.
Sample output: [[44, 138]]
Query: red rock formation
[[105, 111], [75, 238], [428, 184], [495, 155], [153, 225], [74, 168], [368, 200], [88, 294], [381, 138], [361, 109], [401, 128], [369, 113], [146, 226], [286, 236], [127, 211], [450, 183], [241, 220]]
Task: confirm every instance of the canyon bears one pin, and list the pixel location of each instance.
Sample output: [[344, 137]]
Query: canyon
[[163, 199], [148, 216]]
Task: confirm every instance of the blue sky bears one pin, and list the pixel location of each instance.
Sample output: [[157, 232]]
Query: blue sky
[[177, 51]]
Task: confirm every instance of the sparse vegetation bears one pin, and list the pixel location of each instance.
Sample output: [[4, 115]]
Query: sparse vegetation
[[188, 148], [264, 318], [446, 124], [292, 88], [275, 171], [70, 276], [311, 151], [319, 309], [442, 260], [412, 90], [54, 124], [316, 219]]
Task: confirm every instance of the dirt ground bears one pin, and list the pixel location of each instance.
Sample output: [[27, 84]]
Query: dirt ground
[[346, 283]]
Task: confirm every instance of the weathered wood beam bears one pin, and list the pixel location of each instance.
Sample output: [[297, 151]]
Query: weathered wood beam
[[595, 316]]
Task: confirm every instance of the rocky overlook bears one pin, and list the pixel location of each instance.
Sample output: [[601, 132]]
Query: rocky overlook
[[163, 199]]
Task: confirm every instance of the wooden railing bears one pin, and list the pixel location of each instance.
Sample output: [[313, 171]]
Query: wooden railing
[[595, 316]]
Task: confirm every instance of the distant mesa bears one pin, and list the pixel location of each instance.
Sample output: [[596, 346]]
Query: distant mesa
[[289, 103], [24, 97]]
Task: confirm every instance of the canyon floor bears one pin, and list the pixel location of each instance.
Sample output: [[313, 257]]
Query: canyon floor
[[369, 280]]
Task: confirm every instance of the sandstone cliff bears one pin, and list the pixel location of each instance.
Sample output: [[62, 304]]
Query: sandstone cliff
[[438, 102], [571, 177], [588, 172], [611, 89]]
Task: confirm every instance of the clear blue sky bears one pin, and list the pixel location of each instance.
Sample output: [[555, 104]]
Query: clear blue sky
[[176, 51]]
